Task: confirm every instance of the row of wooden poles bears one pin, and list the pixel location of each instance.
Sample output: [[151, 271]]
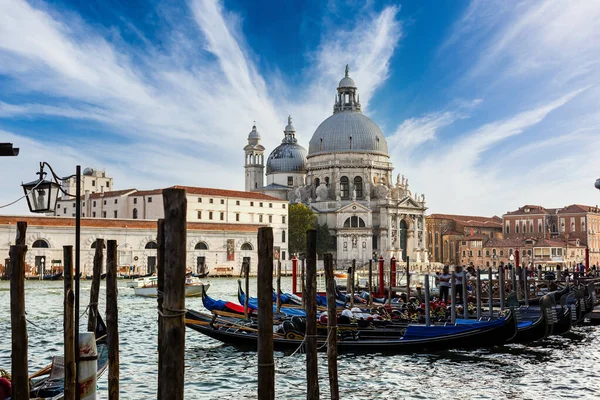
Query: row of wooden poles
[[72, 356]]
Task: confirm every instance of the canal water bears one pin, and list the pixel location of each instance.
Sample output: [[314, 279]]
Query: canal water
[[558, 368]]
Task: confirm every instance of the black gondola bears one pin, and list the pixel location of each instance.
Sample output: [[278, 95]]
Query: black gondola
[[411, 339], [532, 324]]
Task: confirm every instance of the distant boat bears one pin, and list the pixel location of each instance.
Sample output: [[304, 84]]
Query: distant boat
[[193, 287], [53, 277]]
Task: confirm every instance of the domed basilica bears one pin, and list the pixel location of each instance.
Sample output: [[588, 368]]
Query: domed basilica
[[346, 178]]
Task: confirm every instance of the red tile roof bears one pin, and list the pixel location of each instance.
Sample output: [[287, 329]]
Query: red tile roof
[[452, 232], [114, 193], [504, 243], [147, 192], [226, 193], [121, 223], [577, 208], [533, 209], [469, 220]]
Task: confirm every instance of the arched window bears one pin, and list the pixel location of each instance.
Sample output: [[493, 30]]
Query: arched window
[[327, 181], [553, 227], [135, 213], [317, 182], [507, 228], [358, 187], [201, 246], [517, 228], [501, 253], [354, 222], [487, 253], [40, 244], [94, 245], [344, 187], [246, 246], [151, 245]]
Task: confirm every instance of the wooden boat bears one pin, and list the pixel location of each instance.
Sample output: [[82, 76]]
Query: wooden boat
[[52, 386], [193, 288], [413, 338], [253, 304], [532, 324]]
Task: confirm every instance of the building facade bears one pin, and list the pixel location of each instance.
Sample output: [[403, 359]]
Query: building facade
[[446, 232], [219, 248], [346, 178]]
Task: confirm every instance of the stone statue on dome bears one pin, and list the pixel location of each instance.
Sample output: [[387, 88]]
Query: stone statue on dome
[[353, 194], [322, 192]]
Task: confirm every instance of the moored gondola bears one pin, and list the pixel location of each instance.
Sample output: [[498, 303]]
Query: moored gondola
[[411, 338]]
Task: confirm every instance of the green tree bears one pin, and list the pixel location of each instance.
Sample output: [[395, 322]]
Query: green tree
[[300, 219], [325, 240]]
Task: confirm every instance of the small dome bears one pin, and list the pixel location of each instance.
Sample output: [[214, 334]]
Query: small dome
[[254, 133], [88, 171], [287, 157], [347, 82]]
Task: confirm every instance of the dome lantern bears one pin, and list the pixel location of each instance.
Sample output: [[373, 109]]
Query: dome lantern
[[346, 99]]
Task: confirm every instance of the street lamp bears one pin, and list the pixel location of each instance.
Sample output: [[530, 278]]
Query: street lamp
[[42, 196], [512, 259]]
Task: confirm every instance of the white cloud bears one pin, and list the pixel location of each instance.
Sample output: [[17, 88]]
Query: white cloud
[[184, 110], [416, 131]]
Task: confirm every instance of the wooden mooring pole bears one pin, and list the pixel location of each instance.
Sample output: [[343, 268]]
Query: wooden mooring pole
[[453, 298], [525, 285], [391, 278], [160, 272], [501, 286], [490, 292], [331, 328], [18, 322], [351, 288], [427, 305], [266, 366], [370, 282], [312, 372], [303, 282], [478, 293], [407, 277], [246, 288], [112, 320], [69, 324], [95, 289], [278, 286], [172, 351], [464, 295]]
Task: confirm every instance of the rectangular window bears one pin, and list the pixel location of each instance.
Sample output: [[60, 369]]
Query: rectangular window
[[82, 204], [103, 214], [222, 201], [222, 216], [149, 199], [290, 181], [104, 202], [478, 253], [251, 204], [135, 200], [199, 199], [283, 255], [270, 218], [237, 217], [73, 204], [116, 201], [115, 213], [283, 219], [93, 183], [210, 201], [237, 202], [270, 205], [282, 236], [199, 214], [64, 210], [210, 215], [107, 184], [260, 218], [72, 215], [283, 206], [94, 214], [94, 203], [83, 215], [261, 204]]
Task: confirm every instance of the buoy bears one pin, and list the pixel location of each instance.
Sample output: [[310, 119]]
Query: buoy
[[88, 365]]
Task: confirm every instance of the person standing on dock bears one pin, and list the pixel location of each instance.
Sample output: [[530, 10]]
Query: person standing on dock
[[459, 272], [444, 279]]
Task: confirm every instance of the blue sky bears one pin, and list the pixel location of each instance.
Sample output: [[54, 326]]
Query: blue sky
[[486, 105]]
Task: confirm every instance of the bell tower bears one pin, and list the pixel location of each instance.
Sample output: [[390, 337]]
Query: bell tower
[[255, 161]]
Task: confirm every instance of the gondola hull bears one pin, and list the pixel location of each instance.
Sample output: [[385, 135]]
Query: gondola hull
[[414, 338]]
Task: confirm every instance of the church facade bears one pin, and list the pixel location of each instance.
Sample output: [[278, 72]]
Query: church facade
[[346, 178]]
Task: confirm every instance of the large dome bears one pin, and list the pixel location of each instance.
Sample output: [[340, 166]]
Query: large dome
[[348, 131], [289, 156]]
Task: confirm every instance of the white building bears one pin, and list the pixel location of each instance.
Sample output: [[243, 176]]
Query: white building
[[219, 248], [346, 177]]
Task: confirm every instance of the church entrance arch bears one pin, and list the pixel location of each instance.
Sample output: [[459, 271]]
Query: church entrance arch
[[403, 237]]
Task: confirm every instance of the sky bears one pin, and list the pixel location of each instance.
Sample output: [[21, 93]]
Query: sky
[[486, 105]]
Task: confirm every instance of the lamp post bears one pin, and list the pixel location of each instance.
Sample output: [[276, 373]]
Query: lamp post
[[42, 196], [512, 259]]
